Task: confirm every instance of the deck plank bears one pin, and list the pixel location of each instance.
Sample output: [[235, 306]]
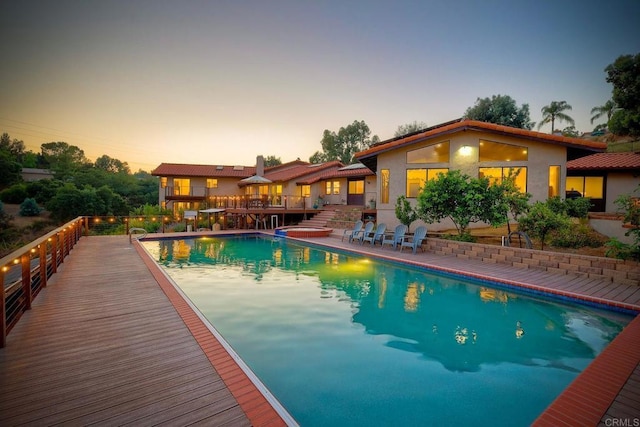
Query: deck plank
[[103, 344]]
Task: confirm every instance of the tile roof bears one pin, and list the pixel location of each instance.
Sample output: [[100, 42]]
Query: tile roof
[[474, 125], [297, 169], [606, 161], [177, 169], [337, 173]]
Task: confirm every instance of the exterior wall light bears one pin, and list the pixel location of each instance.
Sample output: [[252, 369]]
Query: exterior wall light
[[465, 150]]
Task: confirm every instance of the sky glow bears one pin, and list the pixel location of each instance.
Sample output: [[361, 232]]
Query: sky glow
[[219, 82]]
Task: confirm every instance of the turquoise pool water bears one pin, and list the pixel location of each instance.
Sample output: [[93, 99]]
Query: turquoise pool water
[[340, 339]]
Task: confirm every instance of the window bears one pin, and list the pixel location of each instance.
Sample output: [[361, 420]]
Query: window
[[181, 186], [554, 181], [384, 186], [276, 189], [496, 175], [435, 153], [163, 182], [305, 190], [498, 152], [332, 187], [588, 186], [263, 190], [212, 183], [417, 177], [356, 187]]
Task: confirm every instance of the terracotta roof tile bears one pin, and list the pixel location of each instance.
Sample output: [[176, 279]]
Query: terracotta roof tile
[[458, 126], [177, 169], [606, 161], [336, 173], [298, 169]]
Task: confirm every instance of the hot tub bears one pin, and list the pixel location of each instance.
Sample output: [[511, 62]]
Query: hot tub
[[303, 232]]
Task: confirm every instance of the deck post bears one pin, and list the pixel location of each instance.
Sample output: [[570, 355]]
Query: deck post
[[3, 311], [86, 225], [25, 261], [54, 253], [43, 264]]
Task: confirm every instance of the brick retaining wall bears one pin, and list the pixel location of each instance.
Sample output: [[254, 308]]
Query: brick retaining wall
[[615, 270]]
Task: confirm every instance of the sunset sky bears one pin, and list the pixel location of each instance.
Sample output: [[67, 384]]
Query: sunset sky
[[219, 82]]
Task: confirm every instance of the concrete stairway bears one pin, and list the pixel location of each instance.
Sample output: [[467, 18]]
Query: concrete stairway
[[320, 219]]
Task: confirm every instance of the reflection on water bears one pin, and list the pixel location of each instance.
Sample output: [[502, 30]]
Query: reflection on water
[[344, 340], [459, 324]]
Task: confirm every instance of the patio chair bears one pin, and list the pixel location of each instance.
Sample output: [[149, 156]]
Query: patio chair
[[350, 233], [414, 242], [358, 235], [397, 236], [375, 236]]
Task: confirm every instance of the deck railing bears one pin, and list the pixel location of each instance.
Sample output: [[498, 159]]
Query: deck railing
[[25, 272], [214, 200]]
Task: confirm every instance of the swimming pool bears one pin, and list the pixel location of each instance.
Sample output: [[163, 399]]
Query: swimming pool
[[341, 339]]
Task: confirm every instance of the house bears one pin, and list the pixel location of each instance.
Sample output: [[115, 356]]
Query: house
[[35, 174], [603, 177], [403, 164], [292, 185]]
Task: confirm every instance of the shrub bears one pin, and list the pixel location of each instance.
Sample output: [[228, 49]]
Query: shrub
[[404, 212], [14, 194], [541, 221], [5, 218], [578, 207], [29, 208], [577, 236]]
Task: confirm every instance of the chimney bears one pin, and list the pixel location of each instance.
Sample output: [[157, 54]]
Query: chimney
[[260, 166]]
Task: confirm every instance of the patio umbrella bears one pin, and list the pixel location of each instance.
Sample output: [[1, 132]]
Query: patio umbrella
[[255, 179], [210, 211]]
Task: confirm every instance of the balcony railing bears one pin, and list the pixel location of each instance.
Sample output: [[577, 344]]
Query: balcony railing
[[25, 272], [214, 200]]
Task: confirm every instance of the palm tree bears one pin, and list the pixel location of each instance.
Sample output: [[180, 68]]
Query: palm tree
[[554, 111], [608, 108]]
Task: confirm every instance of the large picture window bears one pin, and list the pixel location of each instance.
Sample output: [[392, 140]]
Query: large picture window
[[491, 151], [496, 175], [181, 186], [435, 153], [356, 187], [587, 186], [554, 181], [417, 177]]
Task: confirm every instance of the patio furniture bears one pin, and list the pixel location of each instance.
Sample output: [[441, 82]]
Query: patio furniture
[[414, 242], [350, 233], [375, 236], [395, 238], [358, 235]]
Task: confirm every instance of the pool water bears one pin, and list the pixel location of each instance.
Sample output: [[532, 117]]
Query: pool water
[[341, 339]]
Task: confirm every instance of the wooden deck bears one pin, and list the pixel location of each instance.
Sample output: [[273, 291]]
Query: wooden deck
[[111, 342], [103, 344]]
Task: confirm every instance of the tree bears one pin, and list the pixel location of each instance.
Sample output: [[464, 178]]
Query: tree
[[345, 143], [624, 75], [553, 112], [272, 161], [570, 132], [108, 164], [409, 128], [405, 212], [462, 199], [502, 110], [607, 109], [64, 159], [541, 220], [517, 202]]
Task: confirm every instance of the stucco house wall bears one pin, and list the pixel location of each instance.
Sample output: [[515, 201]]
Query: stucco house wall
[[618, 184], [540, 157]]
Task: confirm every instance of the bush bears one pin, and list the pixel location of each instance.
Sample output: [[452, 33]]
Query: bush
[[5, 218], [577, 236], [578, 207], [404, 212], [29, 208], [541, 221], [14, 194]]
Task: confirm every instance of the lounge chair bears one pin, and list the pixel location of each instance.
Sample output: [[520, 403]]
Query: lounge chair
[[375, 236], [350, 233], [414, 242], [395, 239], [358, 235]]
